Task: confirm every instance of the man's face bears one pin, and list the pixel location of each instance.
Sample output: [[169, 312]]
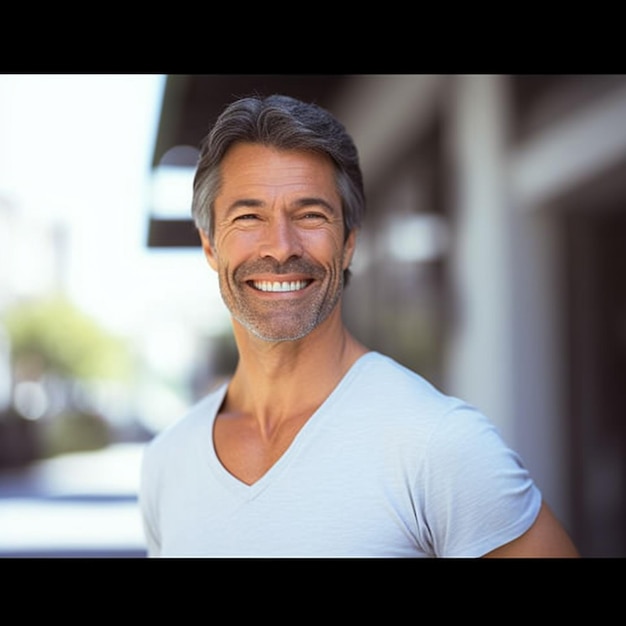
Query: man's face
[[279, 242]]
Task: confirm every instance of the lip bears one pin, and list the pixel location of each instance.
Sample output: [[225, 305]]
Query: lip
[[279, 285]]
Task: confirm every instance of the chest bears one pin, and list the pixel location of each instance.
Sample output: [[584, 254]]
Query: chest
[[247, 451], [315, 501]]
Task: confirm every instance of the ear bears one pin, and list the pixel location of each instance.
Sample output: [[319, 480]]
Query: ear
[[348, 249], [209, 253]]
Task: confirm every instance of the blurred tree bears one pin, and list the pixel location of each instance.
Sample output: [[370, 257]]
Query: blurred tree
[[60, 349], [60, 338]]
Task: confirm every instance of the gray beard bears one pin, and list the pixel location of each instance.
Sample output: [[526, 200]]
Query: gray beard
[[298, 327], [301, 330]]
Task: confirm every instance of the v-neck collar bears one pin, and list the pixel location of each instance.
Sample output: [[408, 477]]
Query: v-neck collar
[[250, 491]]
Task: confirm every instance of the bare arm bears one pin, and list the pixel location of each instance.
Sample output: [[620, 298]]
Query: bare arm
[[546, 538]]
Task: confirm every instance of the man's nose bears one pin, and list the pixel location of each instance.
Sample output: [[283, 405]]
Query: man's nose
[[281, 240]]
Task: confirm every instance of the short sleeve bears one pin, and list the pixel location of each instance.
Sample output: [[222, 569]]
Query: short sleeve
[[477, 493]]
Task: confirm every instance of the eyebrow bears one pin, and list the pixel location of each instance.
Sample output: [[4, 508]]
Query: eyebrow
[[314, 201], [299, 203]]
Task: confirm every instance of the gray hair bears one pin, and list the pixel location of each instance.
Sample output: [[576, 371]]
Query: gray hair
[[286, 123]]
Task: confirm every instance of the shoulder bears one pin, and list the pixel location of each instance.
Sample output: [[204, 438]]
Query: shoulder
[[446, 428], [383, 381], [383, 369], [388, 401], [191, 425]]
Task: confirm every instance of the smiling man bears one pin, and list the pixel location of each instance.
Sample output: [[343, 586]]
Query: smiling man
[[318, 446], [278, 245]]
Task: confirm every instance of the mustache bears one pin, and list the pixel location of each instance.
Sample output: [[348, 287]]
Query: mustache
[[272, 266]]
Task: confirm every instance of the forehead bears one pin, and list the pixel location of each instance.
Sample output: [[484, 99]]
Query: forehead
[[247, 166]]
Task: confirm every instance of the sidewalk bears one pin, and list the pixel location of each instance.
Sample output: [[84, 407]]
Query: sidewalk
[[80, 504]]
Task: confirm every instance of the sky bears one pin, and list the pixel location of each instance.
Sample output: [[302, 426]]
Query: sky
[[77, 150]]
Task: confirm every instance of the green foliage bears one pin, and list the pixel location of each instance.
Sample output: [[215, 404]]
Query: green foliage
[[65, 340], [75, 432]]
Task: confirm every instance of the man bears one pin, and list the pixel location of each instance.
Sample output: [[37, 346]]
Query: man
[[318, 446]]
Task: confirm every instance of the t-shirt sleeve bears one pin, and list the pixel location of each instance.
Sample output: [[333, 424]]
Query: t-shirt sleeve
[[478, 495], [147, 504]]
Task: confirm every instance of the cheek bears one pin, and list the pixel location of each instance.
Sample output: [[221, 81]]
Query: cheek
[[325, 246], [240, 240], [231, 248]]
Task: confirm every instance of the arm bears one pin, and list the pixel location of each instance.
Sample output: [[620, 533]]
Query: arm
[[546, 538]]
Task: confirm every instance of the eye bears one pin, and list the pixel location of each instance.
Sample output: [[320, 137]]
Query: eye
[[313, 215], [245, 217]]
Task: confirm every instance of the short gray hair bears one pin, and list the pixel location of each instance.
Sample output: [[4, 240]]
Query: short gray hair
[[286, 123]]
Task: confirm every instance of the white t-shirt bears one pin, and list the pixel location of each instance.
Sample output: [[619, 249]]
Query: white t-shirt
[[388, 466]]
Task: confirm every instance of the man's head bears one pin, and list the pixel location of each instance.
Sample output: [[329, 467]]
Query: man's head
[[278, 199], [285, 123]]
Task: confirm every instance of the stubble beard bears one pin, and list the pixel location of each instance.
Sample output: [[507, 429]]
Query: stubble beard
[[282, 320]]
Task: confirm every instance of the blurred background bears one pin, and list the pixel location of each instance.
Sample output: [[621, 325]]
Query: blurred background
[[492, 261]]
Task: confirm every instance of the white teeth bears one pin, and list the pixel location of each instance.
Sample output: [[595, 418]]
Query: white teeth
[[294, 285]]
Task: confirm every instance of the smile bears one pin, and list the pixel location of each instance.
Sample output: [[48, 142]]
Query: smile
[[268, 285]]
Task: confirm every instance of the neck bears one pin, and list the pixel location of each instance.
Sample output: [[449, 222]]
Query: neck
[[276, 380]]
